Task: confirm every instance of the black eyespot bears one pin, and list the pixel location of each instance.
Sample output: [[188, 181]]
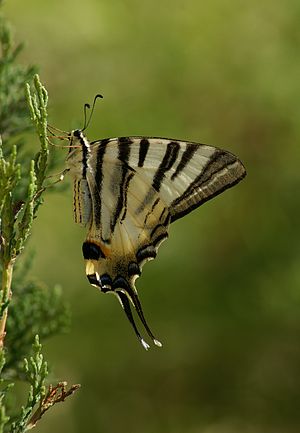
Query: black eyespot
[[92, 251]]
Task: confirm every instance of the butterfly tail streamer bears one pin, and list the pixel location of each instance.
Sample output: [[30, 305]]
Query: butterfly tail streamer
[[137, 305], [130, 295], [123, 298]]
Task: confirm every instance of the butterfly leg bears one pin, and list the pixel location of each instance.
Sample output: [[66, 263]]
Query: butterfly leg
[[61, 177]]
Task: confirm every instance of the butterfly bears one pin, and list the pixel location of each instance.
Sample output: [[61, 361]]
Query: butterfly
[[127, 191]]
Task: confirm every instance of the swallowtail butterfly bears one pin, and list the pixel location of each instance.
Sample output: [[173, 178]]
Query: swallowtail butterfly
[[127, 191]]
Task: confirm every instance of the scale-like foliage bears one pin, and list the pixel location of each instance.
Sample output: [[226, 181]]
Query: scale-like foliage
[[34, 309], [28, 309]]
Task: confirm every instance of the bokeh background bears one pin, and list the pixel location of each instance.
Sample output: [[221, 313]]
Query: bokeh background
[[224, 293]]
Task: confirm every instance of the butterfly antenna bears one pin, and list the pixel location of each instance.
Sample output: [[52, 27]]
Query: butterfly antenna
[[86, 107], [126, 307]]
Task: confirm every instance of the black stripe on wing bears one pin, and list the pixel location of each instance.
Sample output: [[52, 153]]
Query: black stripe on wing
[[151, 210], [98, 181], [210, 182], [185, 158], [143, 150], [123, 156], [147, 252], [125, 192], [76, 202], [166, 164], [170, 156]]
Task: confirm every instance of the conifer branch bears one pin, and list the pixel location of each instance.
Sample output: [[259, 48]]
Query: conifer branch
[[36, 371], [33, 308], [55, 394], [4, 418], [7, 272]]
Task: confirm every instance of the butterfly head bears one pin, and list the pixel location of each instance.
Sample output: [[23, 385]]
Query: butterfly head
[[79, 149], [78, 143], [77, 140]]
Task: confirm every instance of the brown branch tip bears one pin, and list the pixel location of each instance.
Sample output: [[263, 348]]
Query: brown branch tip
[[55, 394]]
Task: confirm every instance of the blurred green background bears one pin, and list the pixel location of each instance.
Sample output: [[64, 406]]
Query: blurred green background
[[224, 293]]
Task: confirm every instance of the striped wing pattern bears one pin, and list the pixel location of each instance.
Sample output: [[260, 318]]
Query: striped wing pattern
[[127, 191]]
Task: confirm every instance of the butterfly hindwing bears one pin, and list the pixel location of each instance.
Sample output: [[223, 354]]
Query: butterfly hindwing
[[130, 189]]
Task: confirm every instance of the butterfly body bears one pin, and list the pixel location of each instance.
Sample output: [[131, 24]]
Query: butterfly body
[[127, 191]]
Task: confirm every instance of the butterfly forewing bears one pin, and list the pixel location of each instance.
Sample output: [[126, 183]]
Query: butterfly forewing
[[131, 188]]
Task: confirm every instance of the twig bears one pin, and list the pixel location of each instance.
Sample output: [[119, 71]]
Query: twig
[[6, 295], [55, 394]]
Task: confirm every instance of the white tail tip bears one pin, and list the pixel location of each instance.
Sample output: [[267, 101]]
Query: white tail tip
[[145, 345], [157, 343]]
